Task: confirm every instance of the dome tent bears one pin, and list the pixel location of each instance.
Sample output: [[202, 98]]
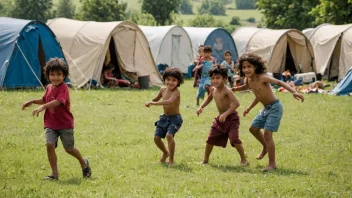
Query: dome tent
[[287, 49], [25, 46], [332, 48], [86, 44], [170, 45], [217, 38]]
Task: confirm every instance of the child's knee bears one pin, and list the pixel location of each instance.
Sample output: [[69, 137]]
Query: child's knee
[[253, 129], [50, 146], [169, 136], [69, 150], [268, 135], [157, 138]]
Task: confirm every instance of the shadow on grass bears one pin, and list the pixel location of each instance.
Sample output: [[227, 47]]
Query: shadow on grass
[[238, 169], [284, 171], [181, 167], [72, 181]]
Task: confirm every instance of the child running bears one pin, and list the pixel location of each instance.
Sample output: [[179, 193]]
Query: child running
[[58, 119], [169, 122], [226, 124], [204, 64], [253, 68]]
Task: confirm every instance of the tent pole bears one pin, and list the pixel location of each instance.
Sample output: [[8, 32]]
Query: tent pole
[[29, 65]]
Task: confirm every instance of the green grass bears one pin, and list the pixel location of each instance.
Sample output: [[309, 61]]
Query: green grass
[[115, 131]]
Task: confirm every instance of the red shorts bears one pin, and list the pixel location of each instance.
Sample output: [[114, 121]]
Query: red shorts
[[220, 132]]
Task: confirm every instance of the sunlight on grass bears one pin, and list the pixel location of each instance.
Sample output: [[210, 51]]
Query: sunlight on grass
[[114, 131]]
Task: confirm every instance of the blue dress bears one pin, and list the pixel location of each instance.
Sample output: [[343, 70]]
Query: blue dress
[[204, 79]]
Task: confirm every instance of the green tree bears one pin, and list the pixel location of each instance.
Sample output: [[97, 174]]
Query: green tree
[[186, 7], [102, 10], [245, 4], [226, 2], [33, 10], [160, 9], [235, 21], [333, 11], [214, 7], [66, 9], [281, 14], [205, 21], [142, 18]]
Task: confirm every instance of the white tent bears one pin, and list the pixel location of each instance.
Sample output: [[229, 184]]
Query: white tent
[[170, 45], [282, 49], [332, 46], [86, 44], [217, 38]]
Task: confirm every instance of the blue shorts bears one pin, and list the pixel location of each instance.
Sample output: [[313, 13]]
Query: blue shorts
[[168, 124], [269, 118]]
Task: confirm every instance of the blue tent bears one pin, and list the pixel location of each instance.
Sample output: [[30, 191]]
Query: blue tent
[[217, 38], [25, 46], [345, 85]]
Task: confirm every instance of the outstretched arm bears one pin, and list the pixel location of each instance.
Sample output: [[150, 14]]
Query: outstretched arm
[[206, 102], [156, 99], [174, 96], [274, 81], [241, 88], [29, 103], [246, 111], [48, 105]]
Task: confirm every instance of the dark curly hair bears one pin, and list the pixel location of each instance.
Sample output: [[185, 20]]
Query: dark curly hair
[[218, 70], [207, 48], [173, 72], [255, 60], [56, 64]]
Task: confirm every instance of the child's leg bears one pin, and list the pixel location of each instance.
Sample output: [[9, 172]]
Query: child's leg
[[197, 101], [160, 144], [240, 151], [75, 153], [171, 146], [260, 137], [50, 149], [268, 135], [208, 149]]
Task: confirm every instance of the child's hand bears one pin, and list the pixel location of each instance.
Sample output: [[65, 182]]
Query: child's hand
[[298, 96], [199, 111], [246, 111], [38, 110], [148, 104], [26, 104], [222, 118]]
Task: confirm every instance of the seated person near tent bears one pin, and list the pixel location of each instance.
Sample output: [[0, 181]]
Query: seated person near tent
[[317, 84], [286, 76], [108, 79]]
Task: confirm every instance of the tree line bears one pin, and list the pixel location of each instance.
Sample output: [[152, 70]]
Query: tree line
[[277, 14]]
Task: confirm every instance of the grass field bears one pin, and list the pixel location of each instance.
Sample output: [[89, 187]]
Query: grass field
[[114, 131]]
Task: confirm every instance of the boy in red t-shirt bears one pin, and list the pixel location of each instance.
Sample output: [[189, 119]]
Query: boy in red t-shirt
[[58, 119]]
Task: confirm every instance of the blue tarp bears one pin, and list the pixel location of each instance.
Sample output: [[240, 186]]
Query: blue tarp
[[220, 41], [20, 40], [345, 85]]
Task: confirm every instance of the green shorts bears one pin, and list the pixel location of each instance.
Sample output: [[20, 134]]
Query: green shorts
[[66, 136]]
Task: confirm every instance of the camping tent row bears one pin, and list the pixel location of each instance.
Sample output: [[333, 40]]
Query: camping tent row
[[25, 46], [283, 50], [88, 45], [332, 46]]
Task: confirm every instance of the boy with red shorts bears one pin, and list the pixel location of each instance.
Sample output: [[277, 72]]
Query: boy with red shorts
[[225, 126]]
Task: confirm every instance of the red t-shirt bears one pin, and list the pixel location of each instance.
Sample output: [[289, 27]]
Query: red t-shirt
[[59, 117]]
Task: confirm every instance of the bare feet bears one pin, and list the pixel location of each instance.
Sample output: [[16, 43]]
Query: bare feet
[[164, 157], [171, 163], [244, 163], [269, 168], [204, 162], [262, 154]]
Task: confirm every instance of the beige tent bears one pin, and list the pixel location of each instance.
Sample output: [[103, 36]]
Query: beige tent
[[86, 44], [332, 46], [282, 49]]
